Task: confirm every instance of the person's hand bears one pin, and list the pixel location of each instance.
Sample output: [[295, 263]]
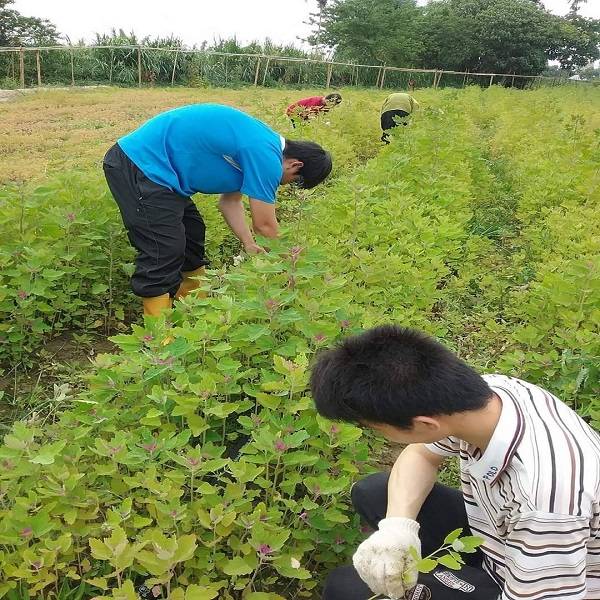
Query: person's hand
[[384, 561], [254, 248]]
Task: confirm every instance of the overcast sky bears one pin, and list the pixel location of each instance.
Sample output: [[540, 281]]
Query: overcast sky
[[197, 20]]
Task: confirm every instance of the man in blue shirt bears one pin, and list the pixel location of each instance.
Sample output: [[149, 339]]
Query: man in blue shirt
[[206, 148]]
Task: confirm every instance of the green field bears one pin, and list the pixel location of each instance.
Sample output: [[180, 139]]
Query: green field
[[200, 466]]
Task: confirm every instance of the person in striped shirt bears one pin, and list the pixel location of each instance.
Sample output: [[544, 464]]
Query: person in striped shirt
[[529, 467]]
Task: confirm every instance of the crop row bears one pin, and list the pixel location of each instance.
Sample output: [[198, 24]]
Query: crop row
[[201, 467]]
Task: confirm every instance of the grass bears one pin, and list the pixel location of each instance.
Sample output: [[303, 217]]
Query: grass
[[59, 130]]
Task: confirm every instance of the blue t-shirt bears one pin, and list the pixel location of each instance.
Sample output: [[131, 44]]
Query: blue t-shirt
[[208, 148]]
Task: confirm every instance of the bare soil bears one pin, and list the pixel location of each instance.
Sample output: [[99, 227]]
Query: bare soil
[[64, 359]]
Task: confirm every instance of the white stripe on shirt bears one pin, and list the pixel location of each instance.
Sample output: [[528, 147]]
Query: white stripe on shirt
[[534, 495]]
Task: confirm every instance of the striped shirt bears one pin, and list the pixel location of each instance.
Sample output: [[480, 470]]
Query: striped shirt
[[534, 496]]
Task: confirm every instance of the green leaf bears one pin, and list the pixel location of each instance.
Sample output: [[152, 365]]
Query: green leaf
[[449, 561], [426, 565], [453, 535], [222, 410], [220, 347], [14, 442], [99, 288], [297, 438], [274, 539], [99, 582], [412, 551], [47, 454], [186, 545], [99, 549], [471, 543], [152, 563], [197, 592], [288, 566], [152, 417], [268, 400], [140, 522], [6, 587], [237, 566], [458, 546], [263, 596], [250, 332], [197, 424]]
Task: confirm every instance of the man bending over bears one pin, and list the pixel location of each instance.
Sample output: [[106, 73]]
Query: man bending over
[[206, 148]]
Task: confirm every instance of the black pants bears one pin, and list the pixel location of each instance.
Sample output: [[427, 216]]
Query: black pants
[[165, 228], [298, 118], [388, 122], [442, 512]]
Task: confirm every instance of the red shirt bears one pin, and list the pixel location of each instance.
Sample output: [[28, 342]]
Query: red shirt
[[304, 107]]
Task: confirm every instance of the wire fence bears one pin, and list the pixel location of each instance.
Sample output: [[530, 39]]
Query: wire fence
[[146, 66]]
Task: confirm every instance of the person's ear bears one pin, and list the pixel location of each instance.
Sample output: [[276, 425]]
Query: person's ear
[[296, 164], [429, 424]]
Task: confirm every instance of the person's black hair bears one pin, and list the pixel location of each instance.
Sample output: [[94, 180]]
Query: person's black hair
[[337, 98], [390, 375], [317, 161]]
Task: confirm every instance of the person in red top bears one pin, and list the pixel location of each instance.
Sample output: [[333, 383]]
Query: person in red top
[[307, 107]]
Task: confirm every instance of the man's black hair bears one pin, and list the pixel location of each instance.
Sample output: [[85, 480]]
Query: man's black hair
[[317, 161], [390, 375], [335, 97]]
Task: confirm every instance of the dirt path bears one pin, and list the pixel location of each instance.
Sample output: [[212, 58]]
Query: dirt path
[[7, 95]]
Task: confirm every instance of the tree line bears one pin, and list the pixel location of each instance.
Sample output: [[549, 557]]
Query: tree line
[[497, 36]]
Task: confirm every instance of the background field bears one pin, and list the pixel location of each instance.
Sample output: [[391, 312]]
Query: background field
[[479, 224]]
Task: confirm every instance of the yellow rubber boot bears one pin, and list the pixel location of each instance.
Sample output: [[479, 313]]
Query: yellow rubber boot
[[190, 283], [154, 306]]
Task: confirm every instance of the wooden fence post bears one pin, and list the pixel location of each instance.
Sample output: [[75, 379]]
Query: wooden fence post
[[465, 79], [491, 81], [174, 67], [72, 67], [110, 68], [256, 73], [266, 71], [329, 73], [22, 67], [139, 53], [38, 67], [513, 80], [382, 78]]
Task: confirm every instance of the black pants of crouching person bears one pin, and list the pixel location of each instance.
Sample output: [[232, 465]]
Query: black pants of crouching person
[[165, 228], [442, 512], [388, 122]]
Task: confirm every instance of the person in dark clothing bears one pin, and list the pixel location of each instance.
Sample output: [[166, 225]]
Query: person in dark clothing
[[396, 110]]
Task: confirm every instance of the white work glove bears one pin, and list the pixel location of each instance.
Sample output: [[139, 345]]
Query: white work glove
[[384, 561]]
